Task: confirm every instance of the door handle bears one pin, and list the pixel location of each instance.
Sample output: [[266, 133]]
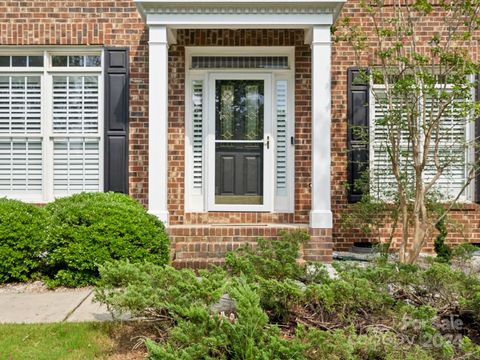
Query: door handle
[[267, 142]]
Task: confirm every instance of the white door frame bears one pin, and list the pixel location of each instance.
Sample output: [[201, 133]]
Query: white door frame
[[268, 154]]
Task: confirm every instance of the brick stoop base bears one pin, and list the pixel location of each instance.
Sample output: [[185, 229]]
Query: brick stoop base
[[320, 246], [198, 246]]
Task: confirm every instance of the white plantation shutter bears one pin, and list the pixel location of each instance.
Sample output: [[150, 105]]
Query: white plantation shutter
[[281, 156], [452, 152], [75, 104], [382, 181], [76, 164], [20, 114], [20, 165], [197, 119], [453, 139], [20, 105], [76, 160]]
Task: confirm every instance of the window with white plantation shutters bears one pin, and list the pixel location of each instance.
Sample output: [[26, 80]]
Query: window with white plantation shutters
[[281, 156], [197, 120], [76, 160], [20, 135], [50, 125], [453, 137]]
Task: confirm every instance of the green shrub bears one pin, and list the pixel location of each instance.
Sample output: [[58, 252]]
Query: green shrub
[[154, 291], [248, 336], [282, 310], [443, 251], [22, 233], [91, 229], [270, 259], [346, 344]]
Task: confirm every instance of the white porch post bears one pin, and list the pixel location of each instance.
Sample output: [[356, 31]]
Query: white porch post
[[321, 214], [158, 122]]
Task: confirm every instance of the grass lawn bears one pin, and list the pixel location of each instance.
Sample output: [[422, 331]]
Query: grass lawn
[[70, 341]]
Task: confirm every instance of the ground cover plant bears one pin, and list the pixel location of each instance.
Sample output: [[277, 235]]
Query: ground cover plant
[[280, 309]]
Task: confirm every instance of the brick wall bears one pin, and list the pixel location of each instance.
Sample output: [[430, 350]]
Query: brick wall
[[117, 23], [99, 22]]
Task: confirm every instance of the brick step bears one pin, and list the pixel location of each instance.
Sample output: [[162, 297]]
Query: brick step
[[228, 233], [194, 245], [207, 249]]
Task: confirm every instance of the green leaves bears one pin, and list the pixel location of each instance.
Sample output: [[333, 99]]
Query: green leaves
[[378, 311], [71, 237], [22, 236], [275, 259], [91, 229]]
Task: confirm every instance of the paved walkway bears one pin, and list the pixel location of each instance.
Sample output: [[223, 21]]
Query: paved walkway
[[53, 306]]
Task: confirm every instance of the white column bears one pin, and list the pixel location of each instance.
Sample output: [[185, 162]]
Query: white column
[[321, 213], [158, 122]]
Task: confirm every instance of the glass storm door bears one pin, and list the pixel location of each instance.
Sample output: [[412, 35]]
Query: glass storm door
[[242, 142]]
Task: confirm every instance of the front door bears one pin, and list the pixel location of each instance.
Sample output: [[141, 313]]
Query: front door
[[240, 159]]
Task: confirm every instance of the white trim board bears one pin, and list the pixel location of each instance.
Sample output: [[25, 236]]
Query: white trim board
[[240, 13]]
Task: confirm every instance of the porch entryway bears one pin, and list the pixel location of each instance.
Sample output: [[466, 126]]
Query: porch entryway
[[239, 154], [239, 129]]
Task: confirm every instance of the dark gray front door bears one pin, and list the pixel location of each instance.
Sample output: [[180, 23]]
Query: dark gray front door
[[239, 143]]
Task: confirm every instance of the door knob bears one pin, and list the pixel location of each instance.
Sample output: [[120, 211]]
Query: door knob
[[267, 142]]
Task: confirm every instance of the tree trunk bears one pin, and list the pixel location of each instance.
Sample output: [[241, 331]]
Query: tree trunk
[[404, 243], [420, 230]]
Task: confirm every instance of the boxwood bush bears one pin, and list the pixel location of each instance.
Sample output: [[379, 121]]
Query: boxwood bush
[[90, 229], [22, 233]]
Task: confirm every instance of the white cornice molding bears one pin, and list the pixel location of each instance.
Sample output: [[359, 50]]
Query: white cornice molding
[[238, 10], [239, 13]]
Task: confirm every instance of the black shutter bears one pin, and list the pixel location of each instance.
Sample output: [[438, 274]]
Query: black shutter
[[358, 128], [477, 144], [116, 120]]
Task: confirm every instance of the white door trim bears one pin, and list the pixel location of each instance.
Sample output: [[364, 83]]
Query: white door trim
[[268, 157]]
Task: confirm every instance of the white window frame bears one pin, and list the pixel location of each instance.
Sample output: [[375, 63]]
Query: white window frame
[[202, 200], [468, 195], [47, 134]]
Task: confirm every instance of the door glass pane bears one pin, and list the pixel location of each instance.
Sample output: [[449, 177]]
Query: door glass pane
[[239, 109], [239, 148]]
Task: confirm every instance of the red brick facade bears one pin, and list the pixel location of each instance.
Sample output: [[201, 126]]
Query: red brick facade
[[118, 23], [464, 223]]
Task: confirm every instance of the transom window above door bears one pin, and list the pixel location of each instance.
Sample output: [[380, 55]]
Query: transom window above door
[[240, 62], [239, 129]]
